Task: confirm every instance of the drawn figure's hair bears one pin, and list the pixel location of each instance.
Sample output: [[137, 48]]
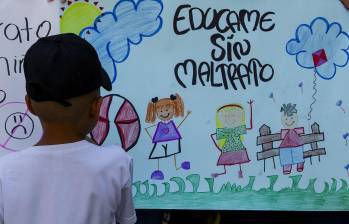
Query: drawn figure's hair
[[174, 101], [289, 109], [219, 124]]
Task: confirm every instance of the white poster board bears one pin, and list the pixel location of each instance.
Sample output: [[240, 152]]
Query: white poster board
[[245, 111], [22, 22]]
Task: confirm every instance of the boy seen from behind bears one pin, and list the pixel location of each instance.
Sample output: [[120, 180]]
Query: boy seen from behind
[[64, 178]]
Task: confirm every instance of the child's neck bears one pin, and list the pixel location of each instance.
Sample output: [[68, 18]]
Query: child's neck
[[59, 135]]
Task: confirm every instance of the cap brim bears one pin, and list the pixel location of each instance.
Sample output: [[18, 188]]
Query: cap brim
[[106, 83]]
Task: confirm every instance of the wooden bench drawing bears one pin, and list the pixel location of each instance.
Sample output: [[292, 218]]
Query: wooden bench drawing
[[267, 139]]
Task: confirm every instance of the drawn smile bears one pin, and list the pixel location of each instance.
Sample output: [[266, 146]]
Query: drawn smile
[[290, 124], [165, 117]]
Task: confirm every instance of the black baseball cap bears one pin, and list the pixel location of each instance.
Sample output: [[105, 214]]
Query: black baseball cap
[[61, 67]]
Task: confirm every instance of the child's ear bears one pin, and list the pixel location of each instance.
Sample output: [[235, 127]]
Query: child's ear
[[95, 107], [30, 107]]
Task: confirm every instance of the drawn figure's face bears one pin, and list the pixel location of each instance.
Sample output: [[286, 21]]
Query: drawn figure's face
[[289, 121], [165, 113], [231, 118], [19, 129], [19, 125]]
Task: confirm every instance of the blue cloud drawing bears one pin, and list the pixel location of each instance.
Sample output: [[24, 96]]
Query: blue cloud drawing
[[114, 32], [320, 39]]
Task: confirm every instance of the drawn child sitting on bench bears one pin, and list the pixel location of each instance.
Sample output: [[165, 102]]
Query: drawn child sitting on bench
[[292, 146]]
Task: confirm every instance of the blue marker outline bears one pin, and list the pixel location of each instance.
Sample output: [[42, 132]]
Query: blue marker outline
[[129, 42]]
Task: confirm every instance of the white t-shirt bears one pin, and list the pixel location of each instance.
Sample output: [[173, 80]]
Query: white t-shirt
[[75, 183]]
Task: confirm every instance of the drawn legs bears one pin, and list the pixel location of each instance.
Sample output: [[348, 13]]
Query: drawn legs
[[241, 175], [186, 164], [175, 162], [297, 158], [300, 167], [286, 169], [157, 174], [166, 150], [214, 175], [291, 156]]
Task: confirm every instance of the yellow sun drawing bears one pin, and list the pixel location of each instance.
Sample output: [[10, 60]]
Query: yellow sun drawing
[[78, 14]]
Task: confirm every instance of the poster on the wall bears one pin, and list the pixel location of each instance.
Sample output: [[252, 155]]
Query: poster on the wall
[[228, 105]]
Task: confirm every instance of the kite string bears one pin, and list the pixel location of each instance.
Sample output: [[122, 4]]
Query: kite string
[[313, 96]]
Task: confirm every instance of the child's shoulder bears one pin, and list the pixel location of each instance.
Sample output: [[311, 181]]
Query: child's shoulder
[[115, 158], [114, 152], [9, 157], [93, 156]]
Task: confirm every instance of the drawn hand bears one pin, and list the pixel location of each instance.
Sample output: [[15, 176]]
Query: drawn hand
[[250, 102], [345, 3], [62, 1]]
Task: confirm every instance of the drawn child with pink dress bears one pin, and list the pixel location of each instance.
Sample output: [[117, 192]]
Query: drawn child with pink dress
[[292, 145]]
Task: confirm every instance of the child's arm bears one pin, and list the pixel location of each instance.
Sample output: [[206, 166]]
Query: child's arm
[[251, 115], [126, 212], [146, 130], [214, 141], [188, 113]]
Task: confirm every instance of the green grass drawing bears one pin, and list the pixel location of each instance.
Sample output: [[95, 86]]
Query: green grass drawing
[[231, 196]]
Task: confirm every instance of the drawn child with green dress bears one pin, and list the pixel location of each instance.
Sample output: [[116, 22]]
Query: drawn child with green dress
[[231, 126]]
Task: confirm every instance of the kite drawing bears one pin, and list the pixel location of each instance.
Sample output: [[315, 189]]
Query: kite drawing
[[321, 46], [125, 118]]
